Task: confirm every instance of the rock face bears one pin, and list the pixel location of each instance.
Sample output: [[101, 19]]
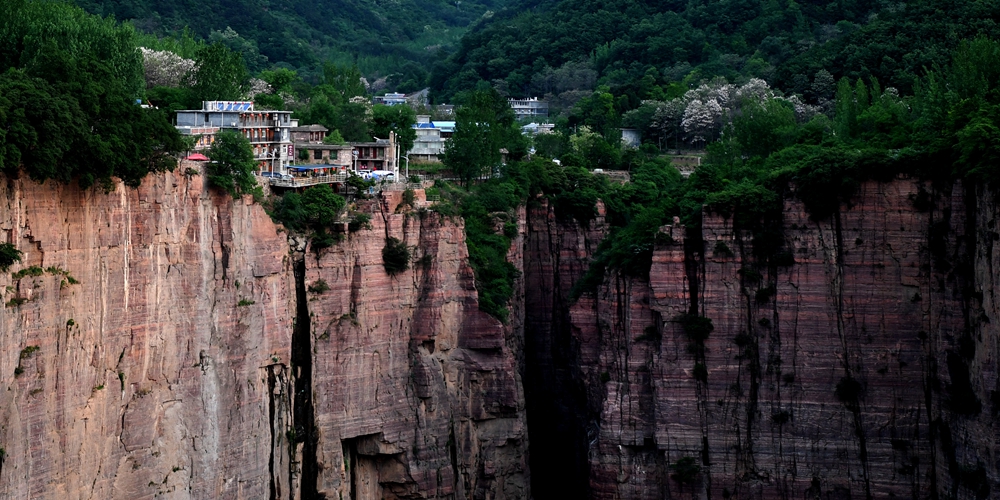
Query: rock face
[[416, 392], [169, 341], [858, 360], [174, 342], [160, 368]]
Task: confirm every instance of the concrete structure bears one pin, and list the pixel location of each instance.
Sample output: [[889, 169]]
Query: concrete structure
[[529, 108], [268, 131], [631, 138], [431, 138], [391, 99], [533, 128]]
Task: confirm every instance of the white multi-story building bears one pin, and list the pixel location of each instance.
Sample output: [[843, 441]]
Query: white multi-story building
[[529, 108], [268, 131], [431, 138]]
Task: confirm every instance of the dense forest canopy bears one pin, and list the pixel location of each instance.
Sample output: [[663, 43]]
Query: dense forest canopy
[[633, 46], [385, 39], [68, 88]]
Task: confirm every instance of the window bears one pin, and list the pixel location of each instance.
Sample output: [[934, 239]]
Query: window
[[317, 154]]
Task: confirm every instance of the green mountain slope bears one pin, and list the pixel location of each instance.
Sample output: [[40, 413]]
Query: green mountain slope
[[302, 32], [782, 41]]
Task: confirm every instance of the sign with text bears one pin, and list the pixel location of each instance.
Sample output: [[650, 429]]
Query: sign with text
[[228, 106]]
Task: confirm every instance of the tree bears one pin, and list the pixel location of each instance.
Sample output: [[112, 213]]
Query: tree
[[68, 84], [322, 205], [765, 127], [342, 82], [398, 119], [279, 82], [485, 125], [232, 164], [334, 137], [701, 120], [597, 111], [219, 74]]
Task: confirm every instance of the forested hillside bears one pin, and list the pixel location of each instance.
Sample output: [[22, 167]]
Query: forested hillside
[[633, 46], [381, 37]]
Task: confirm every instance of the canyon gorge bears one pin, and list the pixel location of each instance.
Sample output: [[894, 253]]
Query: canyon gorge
[[173, 342]]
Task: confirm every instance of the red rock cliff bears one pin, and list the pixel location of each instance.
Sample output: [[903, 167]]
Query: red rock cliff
[[864, 366], [171, 343], [416, 392], [162, 372]]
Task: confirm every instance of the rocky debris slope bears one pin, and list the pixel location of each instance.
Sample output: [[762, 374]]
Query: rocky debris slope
[[856, 360], [147, 352], [416, 392]]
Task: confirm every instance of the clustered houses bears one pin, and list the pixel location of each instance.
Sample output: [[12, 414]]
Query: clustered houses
[[310, 150], [380, 155], [267, 131], [278, 142]]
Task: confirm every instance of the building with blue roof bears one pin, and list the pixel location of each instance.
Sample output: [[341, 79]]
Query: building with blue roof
[[431, 139]]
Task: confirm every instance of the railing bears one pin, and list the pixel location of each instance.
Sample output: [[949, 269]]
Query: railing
[[295, 182]]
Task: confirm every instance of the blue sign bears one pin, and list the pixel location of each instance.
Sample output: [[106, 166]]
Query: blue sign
[[232, 105]]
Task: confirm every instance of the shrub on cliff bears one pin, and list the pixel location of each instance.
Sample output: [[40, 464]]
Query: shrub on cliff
[[9, 255], [315, 210], [395, 256]]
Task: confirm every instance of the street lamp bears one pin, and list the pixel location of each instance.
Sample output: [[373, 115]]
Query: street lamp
[[407, 158]]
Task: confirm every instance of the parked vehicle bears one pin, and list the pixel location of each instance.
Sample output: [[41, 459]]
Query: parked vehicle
[[276, 175], [387, 175]]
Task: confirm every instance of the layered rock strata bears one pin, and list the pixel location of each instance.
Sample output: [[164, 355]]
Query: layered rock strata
[[856, 360], [416, 392], [147, 352]]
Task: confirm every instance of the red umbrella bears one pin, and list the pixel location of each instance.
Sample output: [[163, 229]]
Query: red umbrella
[[198, 157]]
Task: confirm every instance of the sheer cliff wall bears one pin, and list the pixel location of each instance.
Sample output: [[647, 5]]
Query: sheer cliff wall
[[148, 377], [860, 364], [417, 392], [172, 342], [194, 354]]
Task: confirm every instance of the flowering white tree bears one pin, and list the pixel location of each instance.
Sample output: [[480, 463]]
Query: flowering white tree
[[258, 86], [164, 68], [702, 113], [702, 120]]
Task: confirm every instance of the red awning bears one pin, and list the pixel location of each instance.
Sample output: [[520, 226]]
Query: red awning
[[198, 157]]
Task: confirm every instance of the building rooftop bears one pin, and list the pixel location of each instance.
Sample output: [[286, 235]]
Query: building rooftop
[[321, 146], [310, 128]]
